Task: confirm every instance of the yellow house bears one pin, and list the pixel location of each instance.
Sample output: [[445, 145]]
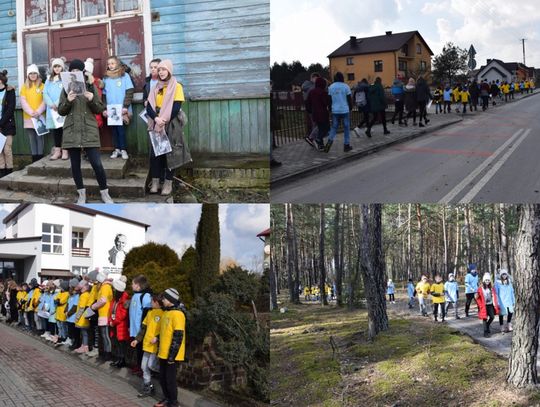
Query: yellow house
[[389, 56]]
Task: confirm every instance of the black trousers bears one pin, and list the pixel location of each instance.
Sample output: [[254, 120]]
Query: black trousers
[[95, 161], [57, 134], [378, 115], [490, 309], [322, 133], [158, 166], [391, 297], [75, 335], [470, 297], [399, 111], [508, 318], [436, 309], [167, 380]]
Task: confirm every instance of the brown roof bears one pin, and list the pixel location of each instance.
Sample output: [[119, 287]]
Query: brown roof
[[76, 208], [380, 43], [264, 233]]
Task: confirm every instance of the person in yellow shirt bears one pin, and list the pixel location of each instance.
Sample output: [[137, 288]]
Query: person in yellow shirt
[[464, 96], [33, 106], [422, 289], [437, 297], [22, 296], [164, 110], [80, 321], [307, 292], [61, 300], [102, 305], [505, 87], [455, 96], [172, 345], [149, 335]]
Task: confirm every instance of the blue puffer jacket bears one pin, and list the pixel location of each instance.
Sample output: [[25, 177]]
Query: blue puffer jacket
[[471, 283], [505, 295], [137, 308]]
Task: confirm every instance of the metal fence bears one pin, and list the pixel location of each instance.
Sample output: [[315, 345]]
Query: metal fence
[[293, 121]]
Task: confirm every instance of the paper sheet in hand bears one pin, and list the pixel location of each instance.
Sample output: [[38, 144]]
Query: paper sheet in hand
[[57, 119], [2, 141], [160, 143], [144, 116], [39, 125], [114, 115], [73, 82]]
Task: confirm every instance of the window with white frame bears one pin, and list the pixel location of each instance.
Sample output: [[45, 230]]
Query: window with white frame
[[51, 240], [125, 5], [77, 239], [92, 8], [37, 51], [79, 270]]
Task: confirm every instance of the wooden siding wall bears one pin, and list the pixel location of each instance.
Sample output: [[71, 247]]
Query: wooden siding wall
[[8, 50], [220, 48]]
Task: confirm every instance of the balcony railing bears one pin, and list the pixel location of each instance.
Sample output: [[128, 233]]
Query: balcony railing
[[80, 252]]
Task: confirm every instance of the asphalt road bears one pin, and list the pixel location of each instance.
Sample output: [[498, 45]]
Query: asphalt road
[[494, 157]]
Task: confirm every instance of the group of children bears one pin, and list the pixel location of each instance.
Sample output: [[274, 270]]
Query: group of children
[[74, 120], [313, 293], [491, 299], [97, 317]]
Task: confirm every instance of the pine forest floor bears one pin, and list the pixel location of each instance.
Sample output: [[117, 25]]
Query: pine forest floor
[[415, 362]]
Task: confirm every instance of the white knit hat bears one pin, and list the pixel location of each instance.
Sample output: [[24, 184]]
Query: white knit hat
[[487, 277], [101, 277], [120, 284], [89, 65], [32, 69], [58, 61]]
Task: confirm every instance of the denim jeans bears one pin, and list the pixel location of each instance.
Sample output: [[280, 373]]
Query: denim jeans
[[119, 137], [148, 363], [95, 161], [336, 117]]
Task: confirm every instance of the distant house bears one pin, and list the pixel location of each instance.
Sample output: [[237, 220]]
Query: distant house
[[388, 56], [495, 69]]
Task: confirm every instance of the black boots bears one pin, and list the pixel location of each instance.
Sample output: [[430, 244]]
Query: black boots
[[147, 390]]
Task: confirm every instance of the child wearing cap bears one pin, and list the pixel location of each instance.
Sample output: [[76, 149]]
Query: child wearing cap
[[451, 294], [98, 84], [104, 298], [61, 301], [54, 289], [119, 322], [390, 290], [51, 96], [31, 98], [71, 312], [118, 91], [163, 110], [172, 346], [488, 305], [437, 296], [422, 289], [80, 321], [471, 287], [411, 293], [149, 336], [507, 300], [22, 297]]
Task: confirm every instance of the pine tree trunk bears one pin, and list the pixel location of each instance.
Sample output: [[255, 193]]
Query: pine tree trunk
[[337, 257], [503, 238], [290, 253], [322, 282], [456, 257], [522, 370], [409, 249], [445, 241]]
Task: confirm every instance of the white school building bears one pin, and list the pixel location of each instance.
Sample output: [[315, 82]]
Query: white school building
[[62, 240]]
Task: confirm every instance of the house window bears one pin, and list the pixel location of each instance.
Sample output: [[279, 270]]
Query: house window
[[90, 8], [77, 239], [63, 10], [378, 66], [37, 51], [79, 270], [350, 61], [405, 50], [350, 77], [403, 66], [51, 240], [126, 5], [418, 48], [35, 12], [423, 65]]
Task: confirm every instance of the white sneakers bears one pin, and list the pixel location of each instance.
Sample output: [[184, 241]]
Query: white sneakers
[[167, 187], [105, 197], [82, 196], [120, 153], [93, 353], [357, 131], [155, 186]]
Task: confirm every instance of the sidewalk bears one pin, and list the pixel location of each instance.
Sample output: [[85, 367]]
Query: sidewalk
[[61, 356], [300, 159]]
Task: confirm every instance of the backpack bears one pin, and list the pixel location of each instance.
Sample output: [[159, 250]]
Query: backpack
[[360, 98]]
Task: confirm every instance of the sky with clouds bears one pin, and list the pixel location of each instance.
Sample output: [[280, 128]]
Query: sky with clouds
[[176, 225], [309, 30]]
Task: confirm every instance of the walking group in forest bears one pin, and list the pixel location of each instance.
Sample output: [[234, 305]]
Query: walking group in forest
[[73, 112], [492, 299], [329, 105], [95, 316]]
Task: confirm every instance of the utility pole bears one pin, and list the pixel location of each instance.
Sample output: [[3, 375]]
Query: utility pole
[[523, 42]]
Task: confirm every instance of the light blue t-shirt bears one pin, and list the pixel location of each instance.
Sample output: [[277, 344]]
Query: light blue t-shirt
[[51, 96], [115, 89], [339, 92], [2, 94], [72, 301], [153, 83]]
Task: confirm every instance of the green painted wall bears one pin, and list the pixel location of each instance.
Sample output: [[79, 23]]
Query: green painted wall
[[226, 126]]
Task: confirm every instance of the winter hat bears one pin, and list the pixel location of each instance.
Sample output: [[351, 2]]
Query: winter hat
[[120, 284], [92, 276], [171, 294], [450, 276], [64, 285], [32, 69], [45, 283], [73, 282], [89, 65], [487, 277], [58, 61], [76, 64], [57, 283], [101, 277], [167, 64]]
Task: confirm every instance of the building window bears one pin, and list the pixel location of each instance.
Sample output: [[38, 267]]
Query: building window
[[378, 66], [79, 270], [350, 77], [37, 51], [418, 48], [403, 66], [51, 241], [35, 12], [350, 61], [63, 10], [126, 5], [405, 50], [77, 239], [91, 8], [423, 65]]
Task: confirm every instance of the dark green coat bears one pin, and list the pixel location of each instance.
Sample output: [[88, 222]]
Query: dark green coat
[[80, 125], [376, 98]]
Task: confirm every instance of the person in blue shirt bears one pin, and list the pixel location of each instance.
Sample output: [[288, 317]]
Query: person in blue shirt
[[140, 304], [451, 294], [74, 338], [398, 93], [507, 301], [51, 95], [341, 105], [390, 290], [411, 292], [471, 286]]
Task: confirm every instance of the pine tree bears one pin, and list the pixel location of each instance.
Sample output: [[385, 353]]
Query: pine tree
[[207, 245]]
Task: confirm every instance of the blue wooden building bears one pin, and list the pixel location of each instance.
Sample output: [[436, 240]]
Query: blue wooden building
[[219, 48]]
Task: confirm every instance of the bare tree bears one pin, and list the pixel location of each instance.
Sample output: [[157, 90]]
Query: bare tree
[[322, 282]]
